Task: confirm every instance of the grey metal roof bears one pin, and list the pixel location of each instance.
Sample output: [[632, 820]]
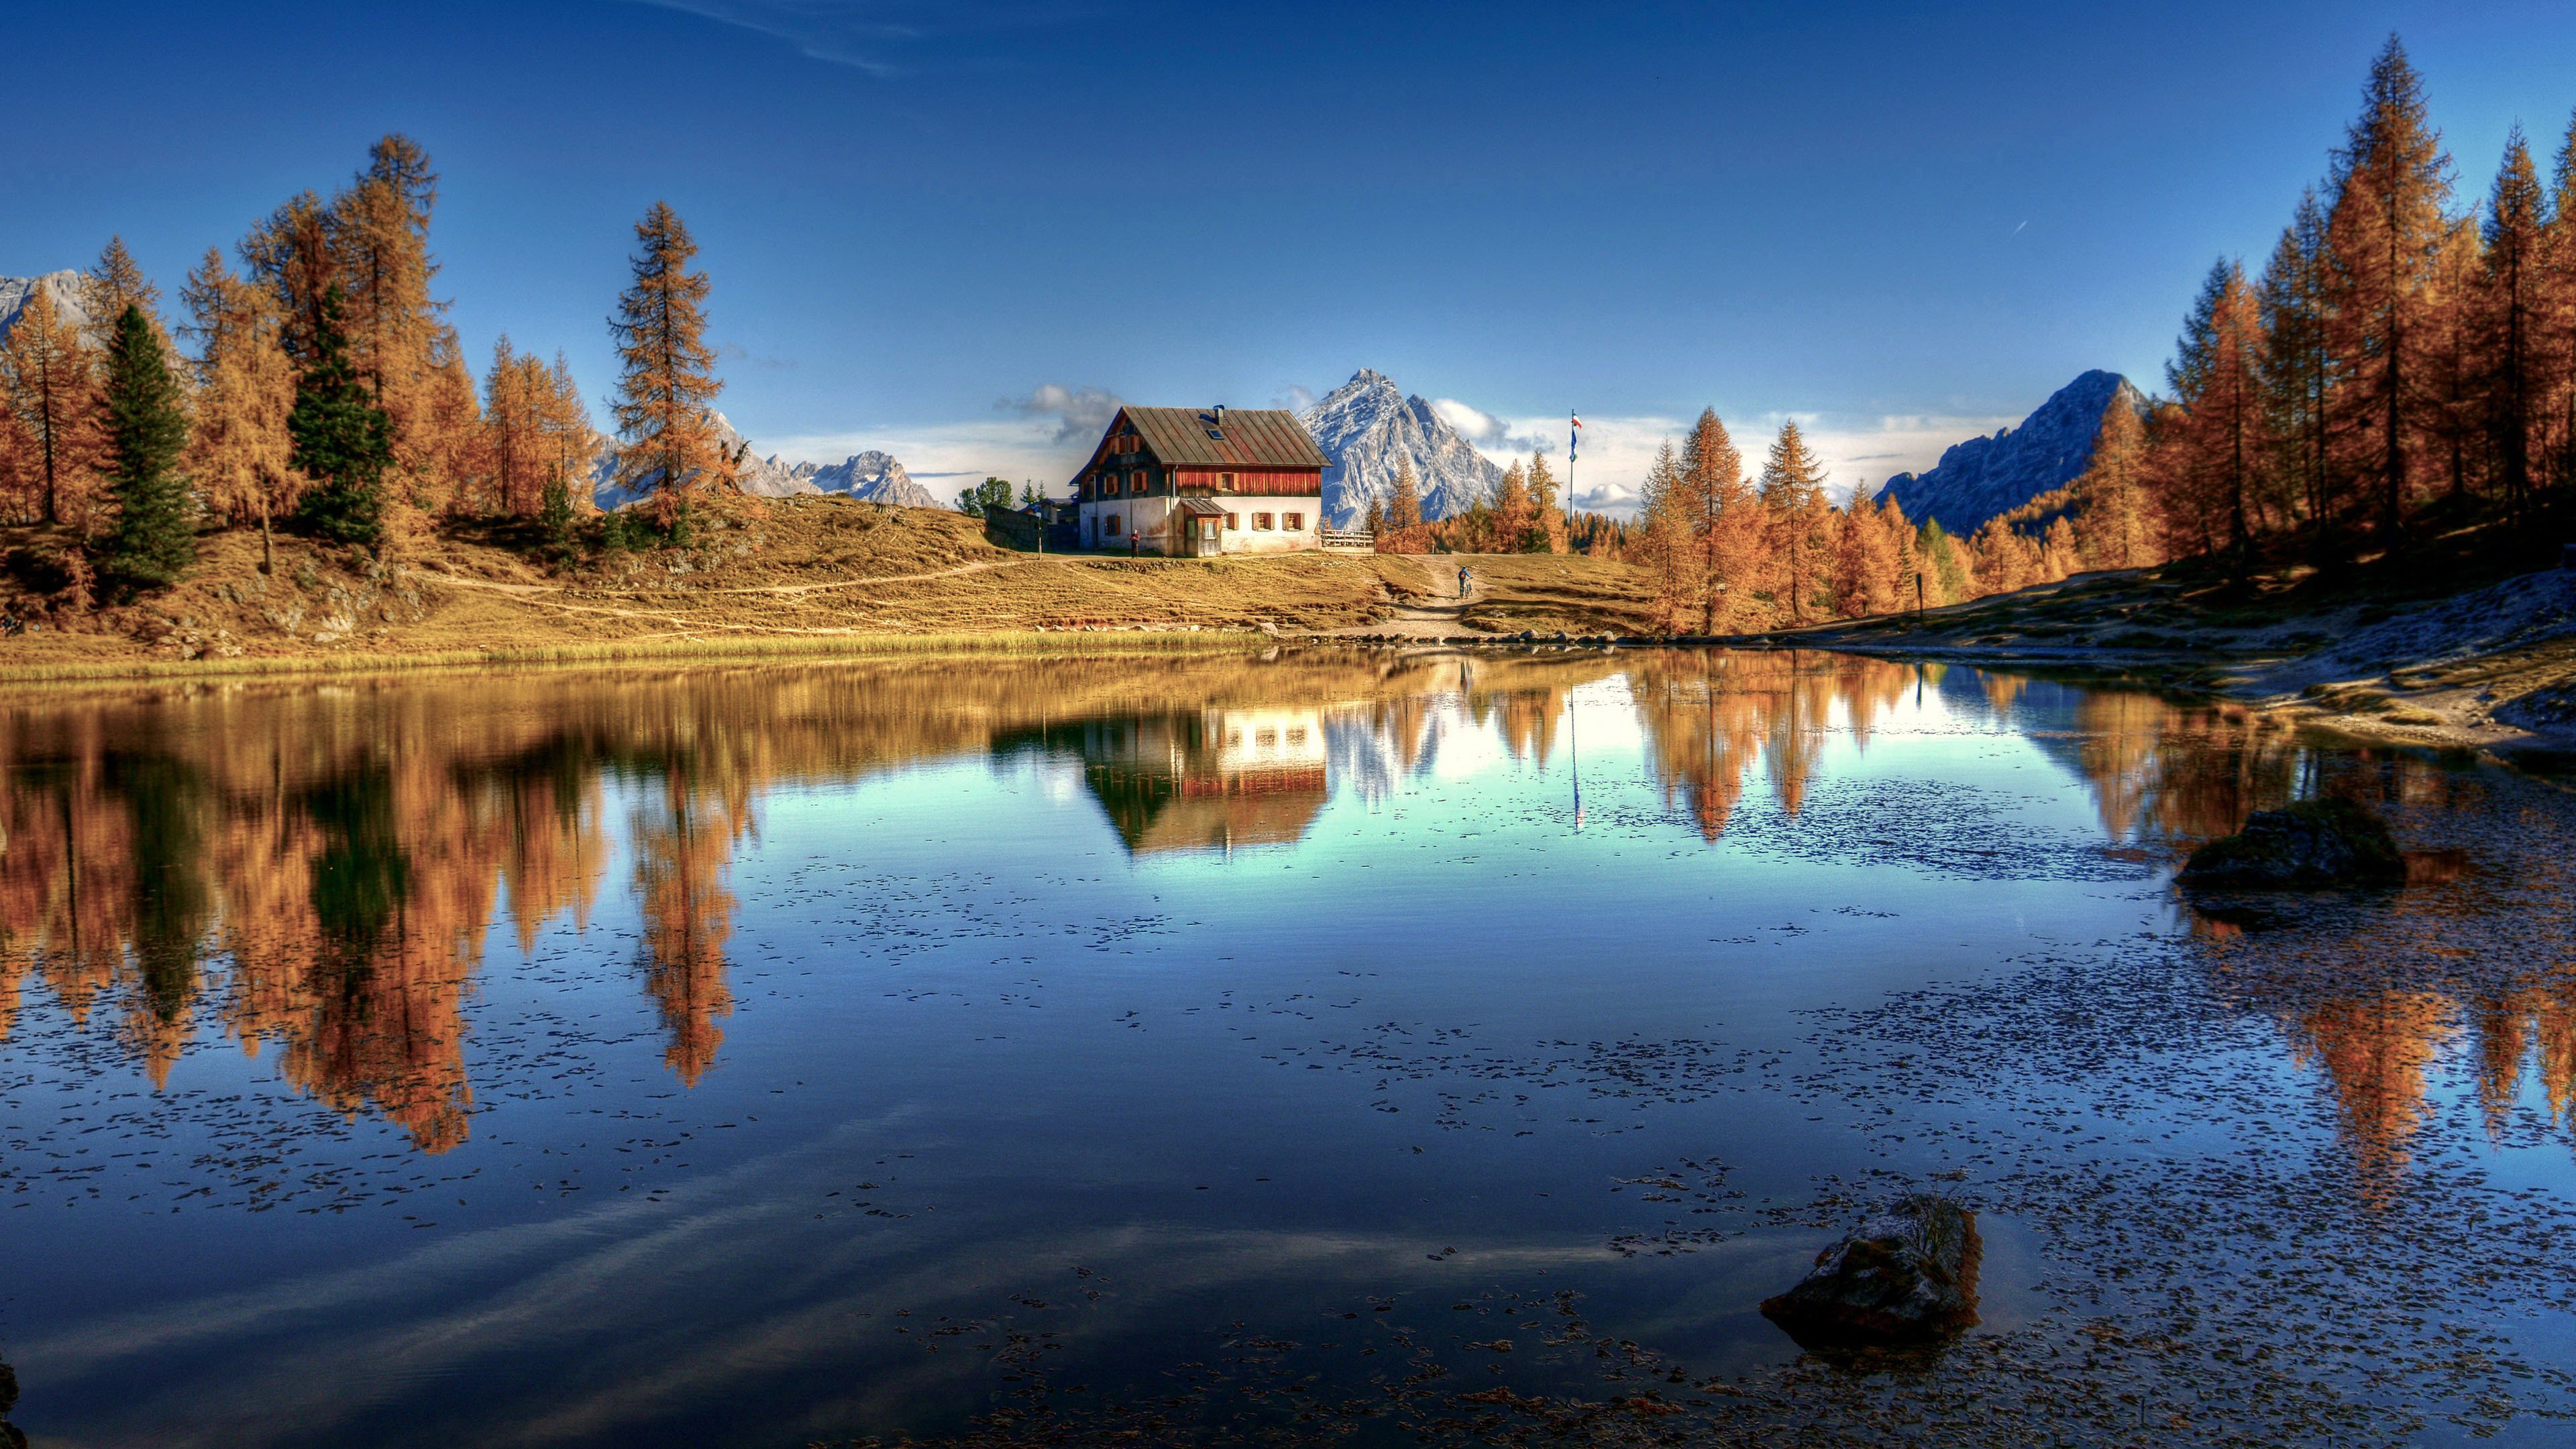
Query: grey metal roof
[[1252, 438]]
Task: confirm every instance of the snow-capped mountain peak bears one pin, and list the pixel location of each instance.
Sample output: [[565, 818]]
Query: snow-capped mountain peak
[[1367, 424]]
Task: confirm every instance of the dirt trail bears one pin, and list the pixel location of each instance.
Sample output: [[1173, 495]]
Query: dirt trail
[[1437, 612]]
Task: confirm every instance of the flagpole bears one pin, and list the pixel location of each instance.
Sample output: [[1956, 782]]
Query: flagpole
[[1573, 448]]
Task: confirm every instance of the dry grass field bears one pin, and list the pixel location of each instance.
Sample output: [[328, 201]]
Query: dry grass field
[[816, 575]]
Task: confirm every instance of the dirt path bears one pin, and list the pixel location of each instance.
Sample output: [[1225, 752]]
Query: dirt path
[[1438, 612]]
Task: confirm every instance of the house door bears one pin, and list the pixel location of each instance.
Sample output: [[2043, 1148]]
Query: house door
[[1208, 543]]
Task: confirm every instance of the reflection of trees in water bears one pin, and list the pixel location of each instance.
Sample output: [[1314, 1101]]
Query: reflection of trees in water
[[315, 870], [1707, 716], [684, 841], [2371, 994], [2373, 1049]]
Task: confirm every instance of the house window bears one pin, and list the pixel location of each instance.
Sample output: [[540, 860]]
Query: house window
[[1293, 522], [1232, 521], [1136, 481], [1225, 480], [1261, 520], [1109, 525]]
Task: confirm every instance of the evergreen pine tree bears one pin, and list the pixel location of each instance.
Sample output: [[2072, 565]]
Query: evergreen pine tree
[[554, 512], [147, 429], [343, 441]]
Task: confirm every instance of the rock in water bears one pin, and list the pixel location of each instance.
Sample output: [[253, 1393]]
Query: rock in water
[[2310, 844], [1908, 1273]]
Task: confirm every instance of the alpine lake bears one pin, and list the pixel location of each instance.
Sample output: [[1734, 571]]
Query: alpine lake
[[1324, 1046]]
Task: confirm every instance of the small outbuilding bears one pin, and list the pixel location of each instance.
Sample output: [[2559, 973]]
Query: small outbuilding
[[1197, 482]]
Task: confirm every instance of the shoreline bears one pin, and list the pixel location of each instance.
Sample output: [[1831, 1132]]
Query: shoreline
[[644, 653]]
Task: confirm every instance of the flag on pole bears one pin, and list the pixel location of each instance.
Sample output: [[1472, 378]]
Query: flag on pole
[[1574, 438]]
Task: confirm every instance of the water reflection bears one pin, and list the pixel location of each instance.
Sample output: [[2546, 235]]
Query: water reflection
[[314, 872]]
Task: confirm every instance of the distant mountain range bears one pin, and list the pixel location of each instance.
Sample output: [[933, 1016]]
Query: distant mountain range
[[1982, 477], [1366, 425], [871, 476]]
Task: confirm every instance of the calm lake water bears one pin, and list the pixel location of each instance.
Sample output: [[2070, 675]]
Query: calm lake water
[[1329, 1045]]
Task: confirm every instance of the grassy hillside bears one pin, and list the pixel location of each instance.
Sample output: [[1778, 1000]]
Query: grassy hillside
[[820, 574]]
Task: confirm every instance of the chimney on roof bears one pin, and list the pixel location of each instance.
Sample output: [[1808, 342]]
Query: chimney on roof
[[1220, 415]]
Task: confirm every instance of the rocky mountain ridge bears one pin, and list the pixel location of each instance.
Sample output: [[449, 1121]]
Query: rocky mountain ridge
[[63, 286], [871, 476], [1366, 425], [1979, 478]]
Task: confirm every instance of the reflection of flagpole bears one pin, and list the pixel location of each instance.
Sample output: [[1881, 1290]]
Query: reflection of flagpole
[[1574, 742]]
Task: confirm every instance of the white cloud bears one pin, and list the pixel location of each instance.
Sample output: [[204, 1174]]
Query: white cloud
[[1024, 448], [1051, 431], [1617, 450], [1080, 412], [1490, 435]]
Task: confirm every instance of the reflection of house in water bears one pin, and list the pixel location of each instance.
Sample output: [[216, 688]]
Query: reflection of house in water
[[1205, 780]]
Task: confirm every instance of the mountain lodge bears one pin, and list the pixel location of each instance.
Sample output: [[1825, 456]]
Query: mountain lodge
[[1197, 482]]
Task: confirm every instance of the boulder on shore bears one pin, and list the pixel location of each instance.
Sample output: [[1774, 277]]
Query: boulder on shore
[[1908, 1273], [2311, 844]]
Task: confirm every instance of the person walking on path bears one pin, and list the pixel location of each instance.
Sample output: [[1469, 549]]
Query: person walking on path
[[1463, 580]]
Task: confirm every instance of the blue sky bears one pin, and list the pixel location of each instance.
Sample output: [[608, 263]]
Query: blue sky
[[1899, 223]]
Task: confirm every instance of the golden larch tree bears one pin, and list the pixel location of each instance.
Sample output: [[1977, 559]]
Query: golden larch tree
[[2513, 346], [2384, 238], [2221, 446], [239, 452], [113, 285], [1726, 520], [1793, 500], [2111, 494], [667, 375], [52, 384]]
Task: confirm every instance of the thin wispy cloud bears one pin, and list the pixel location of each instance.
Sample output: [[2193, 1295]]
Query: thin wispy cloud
[[879, 37]]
